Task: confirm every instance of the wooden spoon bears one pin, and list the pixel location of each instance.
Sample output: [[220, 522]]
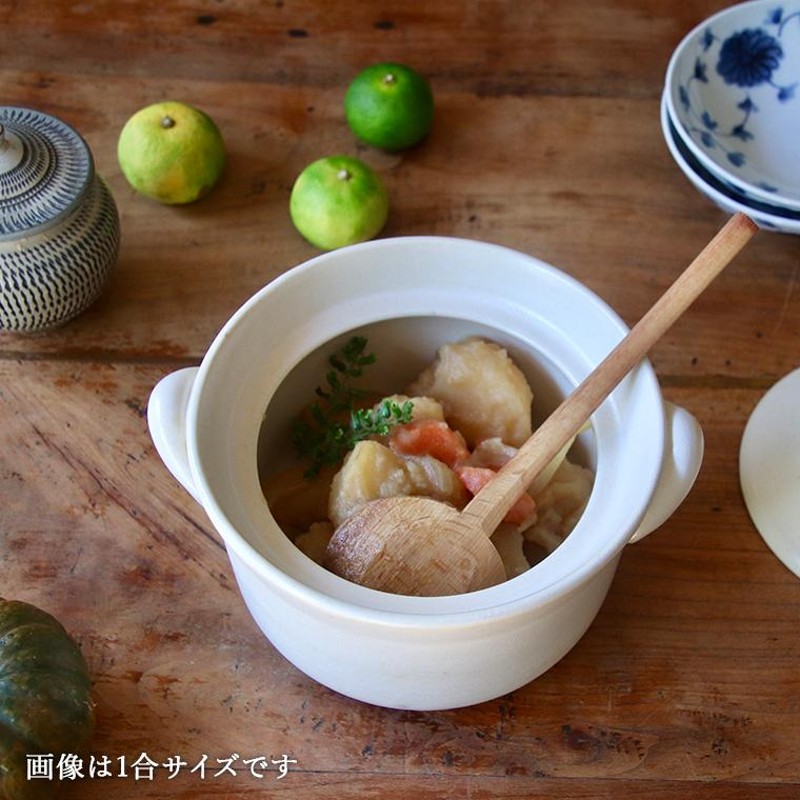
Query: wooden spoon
[[420, 546]]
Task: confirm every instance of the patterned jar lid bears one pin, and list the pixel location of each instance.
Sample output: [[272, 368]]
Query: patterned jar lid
[[45, 169]]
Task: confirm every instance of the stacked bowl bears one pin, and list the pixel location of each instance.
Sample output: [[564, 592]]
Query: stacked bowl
[[730, 111]]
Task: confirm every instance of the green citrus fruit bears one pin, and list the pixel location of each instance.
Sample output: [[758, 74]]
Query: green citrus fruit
[[389, 106], [171, 152], [337, 201]]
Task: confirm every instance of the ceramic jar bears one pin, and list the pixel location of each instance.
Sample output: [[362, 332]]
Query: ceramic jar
[[59, 226]]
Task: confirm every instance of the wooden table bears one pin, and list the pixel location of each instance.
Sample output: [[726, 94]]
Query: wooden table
[[547, 140]]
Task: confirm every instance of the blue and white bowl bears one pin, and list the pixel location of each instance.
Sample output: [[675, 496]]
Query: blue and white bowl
[[765, 215], [733, 94]]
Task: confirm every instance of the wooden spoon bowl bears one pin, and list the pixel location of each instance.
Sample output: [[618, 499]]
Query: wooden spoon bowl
[[405, 560]]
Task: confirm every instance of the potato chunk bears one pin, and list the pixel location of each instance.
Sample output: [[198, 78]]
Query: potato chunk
[[483, 393], [510, 544], [372, 471], [493, 453], [560, 505], [423, 407], [430, 477]]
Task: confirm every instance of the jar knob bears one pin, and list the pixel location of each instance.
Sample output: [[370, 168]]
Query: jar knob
[[10, 150]]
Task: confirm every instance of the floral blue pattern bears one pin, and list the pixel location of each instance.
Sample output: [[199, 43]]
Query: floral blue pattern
[[750, 59]]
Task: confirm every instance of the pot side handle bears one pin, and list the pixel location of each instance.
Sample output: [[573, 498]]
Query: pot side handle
[[166, 419], [683, 455]]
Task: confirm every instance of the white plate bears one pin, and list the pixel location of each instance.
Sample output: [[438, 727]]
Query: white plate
[[769, 469]]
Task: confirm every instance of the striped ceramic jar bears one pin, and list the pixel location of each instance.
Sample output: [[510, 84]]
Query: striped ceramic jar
[[59, 226]]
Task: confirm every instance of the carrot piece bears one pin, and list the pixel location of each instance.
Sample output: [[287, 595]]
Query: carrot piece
[[475, 478], [429, 437]]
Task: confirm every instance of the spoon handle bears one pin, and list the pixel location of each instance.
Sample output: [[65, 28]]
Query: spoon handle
[[491, 503]]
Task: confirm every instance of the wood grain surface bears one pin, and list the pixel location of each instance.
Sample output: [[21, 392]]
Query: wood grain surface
[[546, 139]]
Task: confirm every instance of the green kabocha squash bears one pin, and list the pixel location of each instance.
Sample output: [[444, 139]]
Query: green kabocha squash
[[45, 702]]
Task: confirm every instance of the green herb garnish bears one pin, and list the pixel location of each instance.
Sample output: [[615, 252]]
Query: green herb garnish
[[333, 425]]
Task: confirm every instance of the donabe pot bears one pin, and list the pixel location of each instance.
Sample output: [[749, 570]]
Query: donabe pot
[[217, 427]]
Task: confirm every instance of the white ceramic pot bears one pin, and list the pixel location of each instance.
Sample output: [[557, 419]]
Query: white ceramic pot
[[218, 425]]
